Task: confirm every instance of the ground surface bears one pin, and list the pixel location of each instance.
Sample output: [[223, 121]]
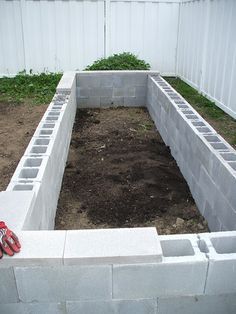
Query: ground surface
[[221, 121], [120, 174], [17, 125]]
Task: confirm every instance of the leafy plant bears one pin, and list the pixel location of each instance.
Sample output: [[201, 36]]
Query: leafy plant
[[36, 89], [122, 61]]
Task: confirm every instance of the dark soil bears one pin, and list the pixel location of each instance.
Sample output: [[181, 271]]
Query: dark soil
[[120, 174]]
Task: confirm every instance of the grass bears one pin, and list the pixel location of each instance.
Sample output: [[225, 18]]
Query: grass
[[224, 124], [33, 89]]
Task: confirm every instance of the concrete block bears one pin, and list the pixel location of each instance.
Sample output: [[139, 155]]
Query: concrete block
[[210, 215], [93, 102], [224, 211], [140, 91], [8, 290], [15, 206], [33, 308], [221, 251], [124, 91], [198, 304], [88, 282], [207, 185], [40, 284], [101, 92], [38, 248], [167, 278], [134, 101], [113, 307], [109, 246], [57, 284]]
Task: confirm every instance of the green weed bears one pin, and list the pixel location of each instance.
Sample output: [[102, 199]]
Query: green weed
[[122, 61], [36, 89]]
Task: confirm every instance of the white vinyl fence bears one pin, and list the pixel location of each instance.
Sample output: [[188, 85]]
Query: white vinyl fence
[[195, 40], [207, 49]]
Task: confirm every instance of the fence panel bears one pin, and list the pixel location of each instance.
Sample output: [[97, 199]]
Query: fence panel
[[207, 49], [148, 29]]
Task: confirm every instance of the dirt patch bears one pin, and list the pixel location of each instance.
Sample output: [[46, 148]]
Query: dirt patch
[[17, 125], [120, 174]]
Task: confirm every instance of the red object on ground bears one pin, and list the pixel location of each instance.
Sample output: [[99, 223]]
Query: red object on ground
[[9, 243]]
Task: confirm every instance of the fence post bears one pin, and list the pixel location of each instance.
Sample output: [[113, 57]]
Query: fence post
[[107, 14], [204, 50]]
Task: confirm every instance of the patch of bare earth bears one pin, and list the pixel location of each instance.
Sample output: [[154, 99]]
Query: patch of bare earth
[[17, 125], [120, 174]]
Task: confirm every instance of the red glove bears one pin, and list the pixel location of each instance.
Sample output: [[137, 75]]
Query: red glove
[[9, 242]]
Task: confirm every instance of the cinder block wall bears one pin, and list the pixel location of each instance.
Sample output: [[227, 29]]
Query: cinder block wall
[[97, 89], [205, 159], [119, 271]]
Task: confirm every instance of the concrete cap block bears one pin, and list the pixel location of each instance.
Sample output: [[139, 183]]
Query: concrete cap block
[[103, 246], [67, 81], [15, 206], [38, 248]]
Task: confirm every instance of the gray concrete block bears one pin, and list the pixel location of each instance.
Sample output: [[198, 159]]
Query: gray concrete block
[[140, 91], [203, 304], [221, 251], [113, 307], [33, 308], [57, 284], [124, 91], [40, 284], [88, 282], [134, 101], [109, 246], [8, 290], [167, 278]]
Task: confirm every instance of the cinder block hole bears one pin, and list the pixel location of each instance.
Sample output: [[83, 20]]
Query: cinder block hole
[[212, 138], [203, 130], [25, 181], [23, 187], [233, 165], [46, 132], [48, 118], [191, 116], [187, 111], [202, 246], [224, 245], [48, 125], [41, 141], [33, 162], [28, 173], [38, 149], [179, 247], [54, 113], [56, 107], [229, 156], [179, 102], [198, 123], [218, 145]]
